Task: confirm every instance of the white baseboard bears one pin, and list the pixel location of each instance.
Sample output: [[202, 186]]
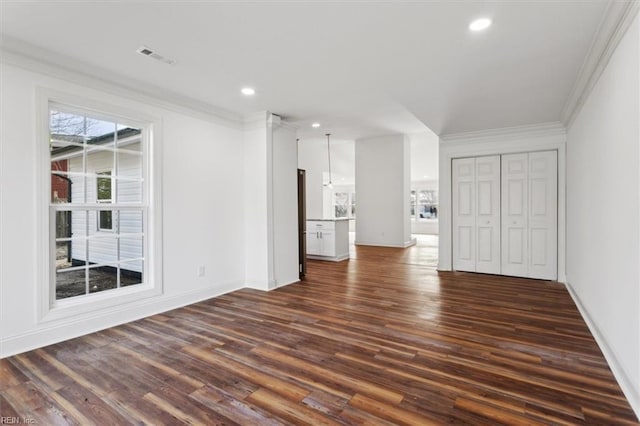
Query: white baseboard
[[632, 394], [339, 258], [285, 284], [406, 244], [85, 324], [411, 242], [259, 285]]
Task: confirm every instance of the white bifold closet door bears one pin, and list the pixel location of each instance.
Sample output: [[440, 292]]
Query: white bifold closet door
[[530, 215], [505, 214], [476, 209]]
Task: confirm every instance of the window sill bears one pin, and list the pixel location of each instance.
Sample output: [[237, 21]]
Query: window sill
[[98, 302]]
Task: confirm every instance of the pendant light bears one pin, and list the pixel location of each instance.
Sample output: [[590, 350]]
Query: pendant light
[[330, 184]]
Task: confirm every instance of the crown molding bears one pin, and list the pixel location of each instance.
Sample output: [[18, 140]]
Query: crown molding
[[289, 126], [613, 26], [554, 128], [32, 58]]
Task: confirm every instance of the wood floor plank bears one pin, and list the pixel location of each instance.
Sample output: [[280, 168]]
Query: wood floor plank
[[289, 410], [382, 338]]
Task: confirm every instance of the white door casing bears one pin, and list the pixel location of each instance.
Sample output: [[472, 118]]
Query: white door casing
[[464, 214], [487, 184]]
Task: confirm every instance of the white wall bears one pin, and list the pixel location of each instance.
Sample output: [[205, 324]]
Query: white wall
[[382, 191], [202, 205], [603, 212], [424, 155]]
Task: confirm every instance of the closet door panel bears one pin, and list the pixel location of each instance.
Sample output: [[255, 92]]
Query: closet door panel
[[543, 216], [515, 252], [464, 214], [488, 214]]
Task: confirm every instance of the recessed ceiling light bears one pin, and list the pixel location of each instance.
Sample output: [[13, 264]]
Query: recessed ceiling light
[[248, 91], [315, 125], [480, 24]]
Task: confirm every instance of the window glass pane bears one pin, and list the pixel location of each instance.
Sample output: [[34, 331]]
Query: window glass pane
[[98, 131], [60, 182], [103, 251], [353, 204], [78, 224], [129, 182], [103, 185], [427, 204], [105, 220], [130, 222], [100, 163], [131, 248], [70, 283], [78, 180], [341, 204], [131, 273], [66, 124], [103, 278]]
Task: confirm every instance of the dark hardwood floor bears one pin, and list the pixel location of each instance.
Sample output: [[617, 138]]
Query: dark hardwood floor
[[380, 339]]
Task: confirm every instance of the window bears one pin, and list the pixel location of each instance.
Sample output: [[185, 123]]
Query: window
[[344, 205], [341, 206], [413, 205], [353, 205], [424, 204], [104, 191], [98, 204]]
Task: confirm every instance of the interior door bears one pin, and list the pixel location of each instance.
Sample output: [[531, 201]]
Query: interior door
[[464, 214], [487, 172], [515, 247], [543, 215]]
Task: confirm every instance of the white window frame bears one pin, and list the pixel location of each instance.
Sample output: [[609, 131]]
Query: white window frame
[[51, 309]]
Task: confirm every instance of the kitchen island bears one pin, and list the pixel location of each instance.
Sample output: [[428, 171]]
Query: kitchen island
[[328, 239]]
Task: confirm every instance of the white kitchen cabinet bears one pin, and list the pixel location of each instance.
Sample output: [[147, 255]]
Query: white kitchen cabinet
[[328, 239]]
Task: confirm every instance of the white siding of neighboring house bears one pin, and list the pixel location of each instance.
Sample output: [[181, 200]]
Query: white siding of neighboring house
[[103, 245]]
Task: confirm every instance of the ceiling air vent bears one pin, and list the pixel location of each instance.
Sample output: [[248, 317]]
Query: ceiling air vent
[[144, 50]]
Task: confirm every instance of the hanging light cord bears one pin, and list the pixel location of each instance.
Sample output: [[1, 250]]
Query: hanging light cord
[[329, 155]]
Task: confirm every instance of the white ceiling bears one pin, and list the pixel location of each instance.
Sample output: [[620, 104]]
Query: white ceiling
[[359, 68]]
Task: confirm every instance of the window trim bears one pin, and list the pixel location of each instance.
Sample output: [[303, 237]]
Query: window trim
[[51, 309]]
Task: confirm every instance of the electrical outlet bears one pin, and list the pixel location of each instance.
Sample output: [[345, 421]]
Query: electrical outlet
[[201, 271]]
